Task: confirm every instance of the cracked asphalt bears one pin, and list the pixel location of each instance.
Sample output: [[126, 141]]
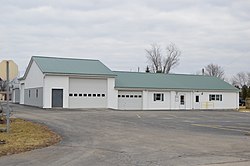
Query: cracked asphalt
[[138, 138]]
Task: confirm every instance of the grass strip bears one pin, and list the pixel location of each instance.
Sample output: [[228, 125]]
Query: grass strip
[[25, 136]]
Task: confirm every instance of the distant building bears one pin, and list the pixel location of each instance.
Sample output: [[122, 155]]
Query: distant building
[[15, 91], [13, 84], [81, 83]]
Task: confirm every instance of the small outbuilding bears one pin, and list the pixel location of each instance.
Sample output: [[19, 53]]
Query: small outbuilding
[[82, 83]]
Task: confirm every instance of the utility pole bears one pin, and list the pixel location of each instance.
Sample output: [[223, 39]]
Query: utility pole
[[8, 97]]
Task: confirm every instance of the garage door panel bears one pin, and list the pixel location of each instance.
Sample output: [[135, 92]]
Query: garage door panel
[[129, 100], [87, 102], [88, 85], [88, 93]]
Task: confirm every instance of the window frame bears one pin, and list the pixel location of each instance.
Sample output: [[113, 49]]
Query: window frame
[[36, 93], [158, 97], [197, 98], [215, 97], [182, 99]]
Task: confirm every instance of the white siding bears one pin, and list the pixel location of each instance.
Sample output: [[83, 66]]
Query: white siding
[[55, 82], [173, 100], [229, 101], [112, 94], [130, 100], [144, 99], [187, 100], [34, 77], [22, 85], [158, 105], [15, 95], [88, 86]]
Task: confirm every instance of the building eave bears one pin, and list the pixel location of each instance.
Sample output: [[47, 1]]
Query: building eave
[[174, 89], [80, 75]]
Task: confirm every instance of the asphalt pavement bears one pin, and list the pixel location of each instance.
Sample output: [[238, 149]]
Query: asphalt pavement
[[102, 137]]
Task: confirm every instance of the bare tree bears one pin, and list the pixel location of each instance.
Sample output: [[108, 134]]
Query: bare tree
[[172, 58], [241, 79], [248, 80], [154, 56], [214, 70], [163, 62]]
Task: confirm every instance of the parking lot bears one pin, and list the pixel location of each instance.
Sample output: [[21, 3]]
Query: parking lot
[[152, 138]]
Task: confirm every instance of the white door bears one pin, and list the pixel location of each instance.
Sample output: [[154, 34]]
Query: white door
[[87, 93], [130, 100], [182, 101], [197, 102]]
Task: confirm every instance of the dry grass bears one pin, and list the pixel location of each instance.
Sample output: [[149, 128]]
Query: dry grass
[[244, 109], [26, 136]]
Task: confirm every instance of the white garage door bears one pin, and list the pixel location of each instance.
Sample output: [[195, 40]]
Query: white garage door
[[87, 93], [129, 100]]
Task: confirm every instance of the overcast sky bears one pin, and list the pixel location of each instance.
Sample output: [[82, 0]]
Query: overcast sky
[[118, 32]]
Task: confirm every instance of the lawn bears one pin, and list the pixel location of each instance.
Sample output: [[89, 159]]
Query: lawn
[[244, 109], [26, 136]]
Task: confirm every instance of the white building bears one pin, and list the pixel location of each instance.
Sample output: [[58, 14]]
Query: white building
[[80, 83]]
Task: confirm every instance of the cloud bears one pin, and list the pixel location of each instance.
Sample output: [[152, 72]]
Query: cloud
[[118, 32]]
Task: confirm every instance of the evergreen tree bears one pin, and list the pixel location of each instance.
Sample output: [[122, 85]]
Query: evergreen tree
[[244, 91]]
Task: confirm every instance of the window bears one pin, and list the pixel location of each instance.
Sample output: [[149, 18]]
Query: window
[[127, 96], [80, 95], [119, 95], [197, 99], [135, 96], [158, 97], [70, 94], [123, 95], [29, 93], [182, 100], [213, 97], [85, 95], [36, 93], [89, 95], [139, 96], [217, 97], [75, 94], [103, 95], [98, 95], [94, 95]]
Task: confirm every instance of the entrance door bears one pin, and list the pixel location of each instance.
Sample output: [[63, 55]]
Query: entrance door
[[197, 104], [182, 102], [57, 97]]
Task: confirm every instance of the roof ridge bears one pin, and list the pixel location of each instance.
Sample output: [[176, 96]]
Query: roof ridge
[[163, 73], [68, 58]]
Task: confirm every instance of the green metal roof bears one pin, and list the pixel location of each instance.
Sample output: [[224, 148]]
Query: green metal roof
[[56, 65], [136, 80]]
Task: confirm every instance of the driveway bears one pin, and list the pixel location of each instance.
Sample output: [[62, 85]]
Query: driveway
[[138, 138]]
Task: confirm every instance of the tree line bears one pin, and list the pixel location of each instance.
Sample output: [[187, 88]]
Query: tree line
[[242, 81]]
